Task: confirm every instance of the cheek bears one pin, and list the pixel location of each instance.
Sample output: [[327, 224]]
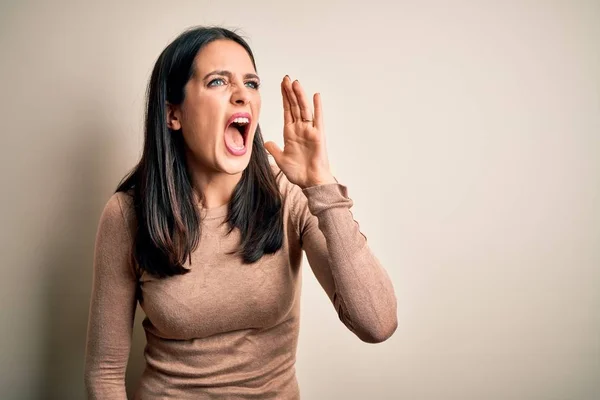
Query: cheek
[[203, 118], [209, 107]]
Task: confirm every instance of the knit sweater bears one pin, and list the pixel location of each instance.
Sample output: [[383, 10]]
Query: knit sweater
[[228, 330]]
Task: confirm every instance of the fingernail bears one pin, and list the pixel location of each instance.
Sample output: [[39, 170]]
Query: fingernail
[[287, 76]]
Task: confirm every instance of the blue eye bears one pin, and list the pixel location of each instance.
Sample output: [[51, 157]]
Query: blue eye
[[253, 84], [216, 80]]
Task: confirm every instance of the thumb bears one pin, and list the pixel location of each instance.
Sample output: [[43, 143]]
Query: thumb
[[274, 150]]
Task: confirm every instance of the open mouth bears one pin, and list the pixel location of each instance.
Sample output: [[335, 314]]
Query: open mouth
[[236, 131], [242, 125]]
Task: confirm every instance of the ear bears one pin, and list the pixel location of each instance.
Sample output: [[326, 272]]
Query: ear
[[173, 117]]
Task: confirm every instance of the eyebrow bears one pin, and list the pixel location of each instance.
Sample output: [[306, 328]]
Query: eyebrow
[[228, 74]]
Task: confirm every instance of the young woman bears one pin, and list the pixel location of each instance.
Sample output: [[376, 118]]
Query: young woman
[[207, 235]]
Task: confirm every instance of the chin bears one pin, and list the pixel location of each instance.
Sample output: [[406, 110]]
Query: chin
[[235, 165]]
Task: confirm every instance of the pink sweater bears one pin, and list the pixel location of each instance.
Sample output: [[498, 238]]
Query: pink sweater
[[227, 330]]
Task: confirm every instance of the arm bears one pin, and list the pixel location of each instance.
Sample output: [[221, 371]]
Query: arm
[[353, 278], [112, 306], [356, 283]]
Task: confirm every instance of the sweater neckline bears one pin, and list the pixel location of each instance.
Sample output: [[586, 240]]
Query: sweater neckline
[[213, 212]]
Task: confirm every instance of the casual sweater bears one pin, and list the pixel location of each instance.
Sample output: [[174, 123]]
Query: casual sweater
[[228, 330]]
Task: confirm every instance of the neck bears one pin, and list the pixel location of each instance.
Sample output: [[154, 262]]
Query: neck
[[215, 188]]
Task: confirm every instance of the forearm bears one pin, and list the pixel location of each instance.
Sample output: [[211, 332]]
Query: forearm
[[363, 292]]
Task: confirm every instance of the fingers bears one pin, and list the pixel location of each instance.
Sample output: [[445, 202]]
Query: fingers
[[305, 111], [294, 106], [318, 111], [295, 103], [287, 108]]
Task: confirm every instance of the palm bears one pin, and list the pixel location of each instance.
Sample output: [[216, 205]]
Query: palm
[[304, 158]]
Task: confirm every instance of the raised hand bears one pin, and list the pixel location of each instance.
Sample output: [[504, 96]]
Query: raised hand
[[303, 159]]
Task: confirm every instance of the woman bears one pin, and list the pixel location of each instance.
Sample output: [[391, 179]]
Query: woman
[[208, 236]]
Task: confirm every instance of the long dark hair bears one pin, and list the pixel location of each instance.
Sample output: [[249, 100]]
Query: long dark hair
[[168, 217]]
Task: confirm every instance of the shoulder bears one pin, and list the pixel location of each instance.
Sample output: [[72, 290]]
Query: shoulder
[[118, 212], [119, 203], [115, 237]]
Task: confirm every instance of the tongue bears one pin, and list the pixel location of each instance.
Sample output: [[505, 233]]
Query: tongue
[[233, 137]]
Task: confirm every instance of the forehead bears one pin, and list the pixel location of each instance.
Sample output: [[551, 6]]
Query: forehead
[[223, 55]]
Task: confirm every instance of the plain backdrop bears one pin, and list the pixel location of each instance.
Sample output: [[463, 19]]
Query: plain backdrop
[[467, 133]]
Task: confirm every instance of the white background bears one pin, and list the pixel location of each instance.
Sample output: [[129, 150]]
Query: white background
[[467, 132]]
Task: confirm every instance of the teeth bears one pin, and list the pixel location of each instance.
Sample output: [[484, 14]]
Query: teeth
[[241, 120]]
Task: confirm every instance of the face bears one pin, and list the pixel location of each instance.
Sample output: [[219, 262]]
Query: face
[[220, 111]]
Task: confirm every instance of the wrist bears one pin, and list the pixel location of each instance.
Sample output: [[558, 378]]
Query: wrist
[[321, 181]]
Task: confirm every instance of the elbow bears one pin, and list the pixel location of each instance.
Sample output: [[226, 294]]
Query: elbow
[[381, 334], [374, 326]]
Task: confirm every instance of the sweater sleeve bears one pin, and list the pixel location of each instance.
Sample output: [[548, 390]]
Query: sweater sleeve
[[112, 306], [339, 255]]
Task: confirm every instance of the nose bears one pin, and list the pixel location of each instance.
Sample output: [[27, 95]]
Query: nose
[[240, 95]]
